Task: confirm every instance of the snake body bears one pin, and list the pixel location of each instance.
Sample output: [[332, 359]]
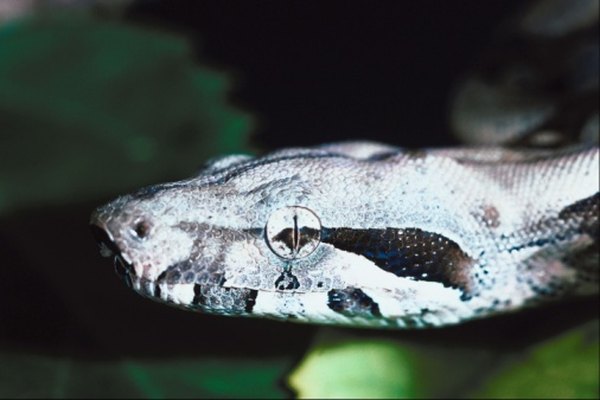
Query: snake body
[[367, 234]]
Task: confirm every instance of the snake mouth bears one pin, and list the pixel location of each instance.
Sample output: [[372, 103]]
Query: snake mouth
[[124, 270], [108, 248]]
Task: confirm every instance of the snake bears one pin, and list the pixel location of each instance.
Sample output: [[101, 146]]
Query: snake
[[367, 234]]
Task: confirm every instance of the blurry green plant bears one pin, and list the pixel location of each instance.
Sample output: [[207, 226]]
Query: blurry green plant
[[565, 367], [344, 365], [340, 364], [90, 107], [62, 377]]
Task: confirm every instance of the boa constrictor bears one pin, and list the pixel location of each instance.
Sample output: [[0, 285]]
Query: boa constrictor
[[366, 234]]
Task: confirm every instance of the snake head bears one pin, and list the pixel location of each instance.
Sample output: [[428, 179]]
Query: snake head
[[238, 239], [322, 236], [244, 237]]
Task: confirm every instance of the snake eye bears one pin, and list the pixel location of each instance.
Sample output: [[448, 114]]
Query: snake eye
[[293, 232]]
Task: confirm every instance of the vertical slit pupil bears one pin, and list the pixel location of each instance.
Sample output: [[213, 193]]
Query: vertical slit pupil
[[296, 234]]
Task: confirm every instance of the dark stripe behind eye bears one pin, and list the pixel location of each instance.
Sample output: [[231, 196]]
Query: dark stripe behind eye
[[409, 252], [585, 211]]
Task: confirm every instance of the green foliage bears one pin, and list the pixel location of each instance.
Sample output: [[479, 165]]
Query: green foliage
[[89, 107], [345, 365], [342, 363], [566, 367], [33, 376], [354, 368]]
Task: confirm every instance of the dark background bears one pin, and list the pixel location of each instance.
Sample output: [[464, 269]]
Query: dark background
[[315, 72]]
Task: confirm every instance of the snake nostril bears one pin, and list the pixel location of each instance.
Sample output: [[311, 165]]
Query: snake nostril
[[141, 229]]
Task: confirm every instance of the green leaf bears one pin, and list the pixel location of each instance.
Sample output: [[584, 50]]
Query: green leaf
[[90, 107], [350, 368], [567, 366]]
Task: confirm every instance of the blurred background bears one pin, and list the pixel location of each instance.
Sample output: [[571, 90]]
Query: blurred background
[[98, 98]]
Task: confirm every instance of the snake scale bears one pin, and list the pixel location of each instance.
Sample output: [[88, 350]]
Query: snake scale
[[367, 234]]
